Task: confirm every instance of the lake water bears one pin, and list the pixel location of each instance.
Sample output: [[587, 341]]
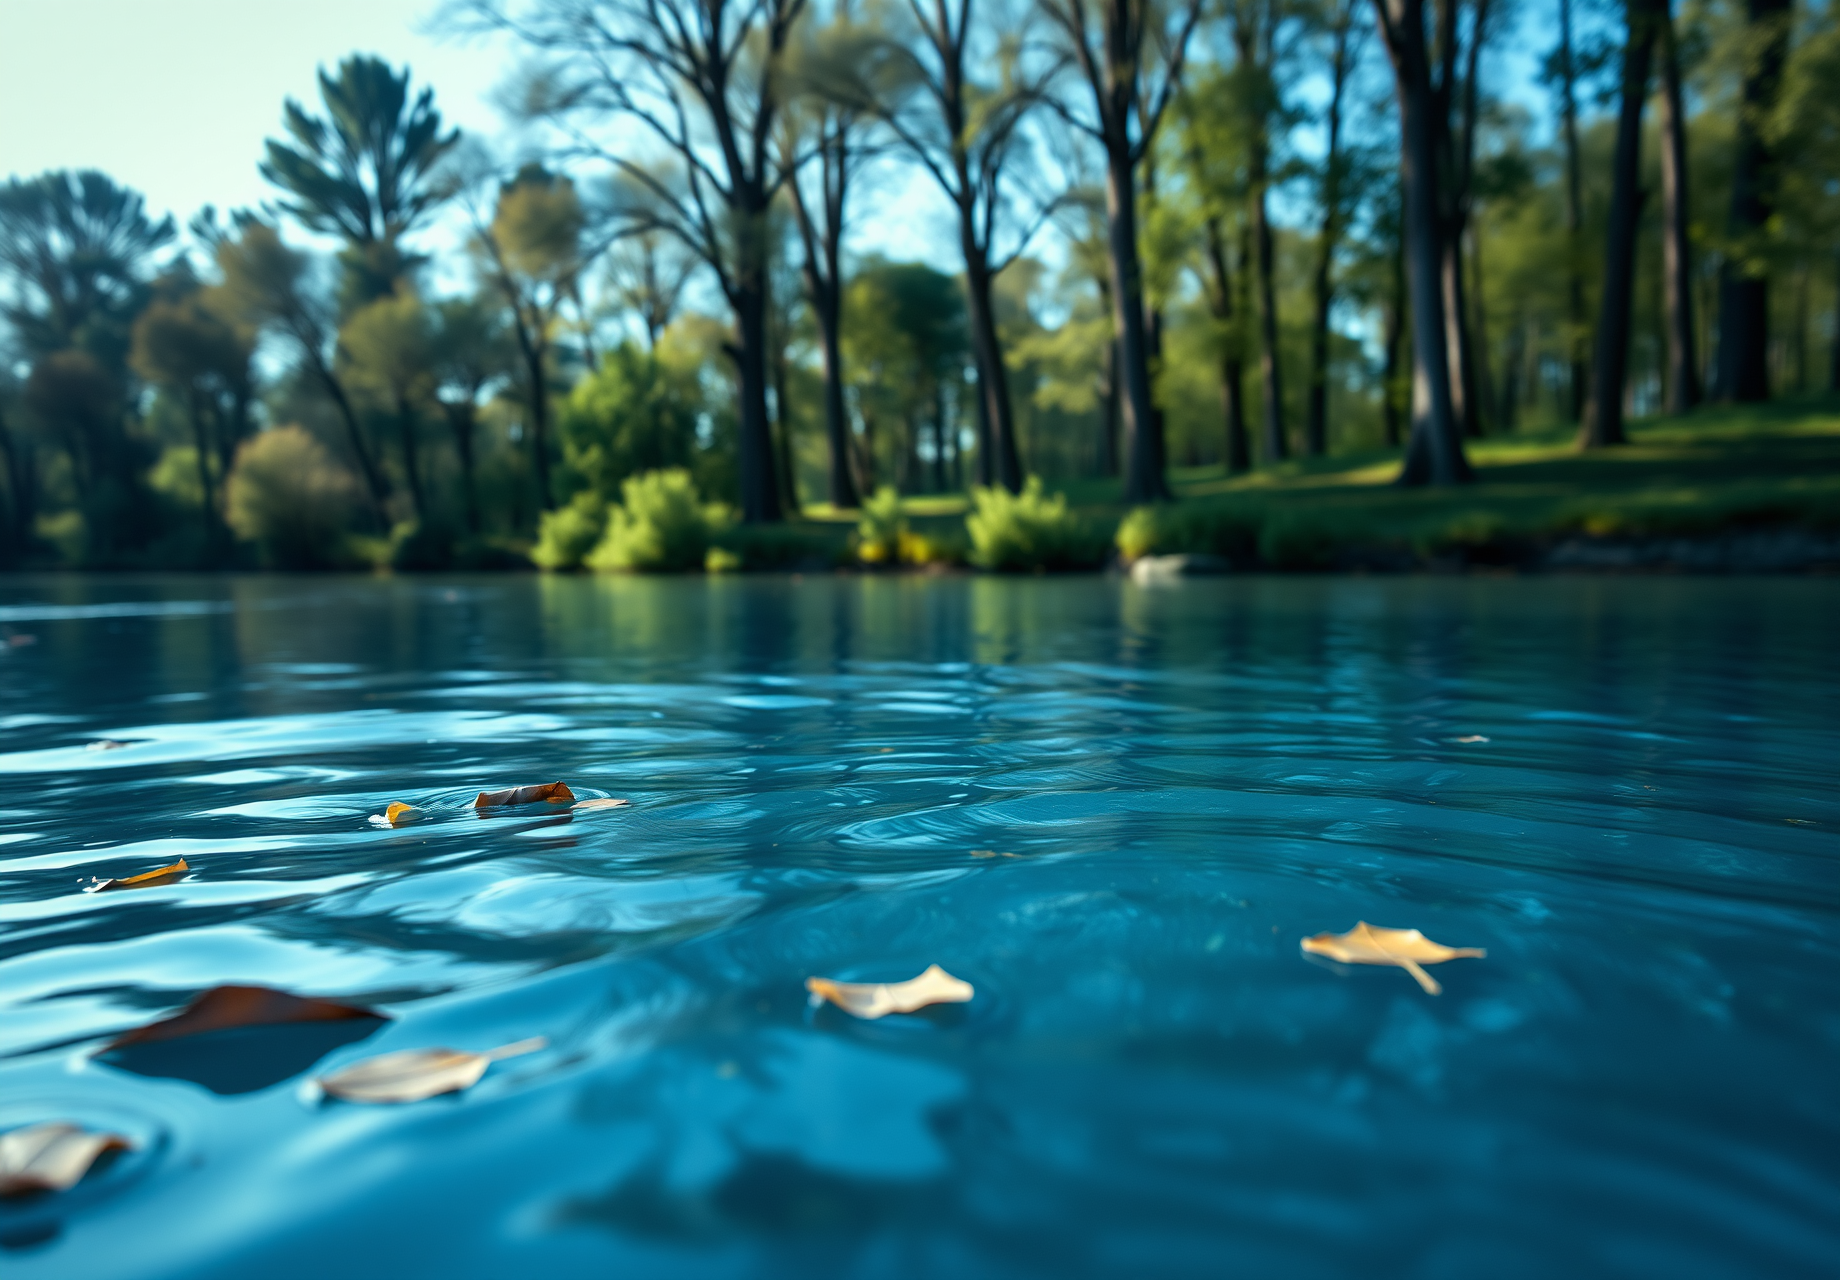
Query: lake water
[[1115, 810]]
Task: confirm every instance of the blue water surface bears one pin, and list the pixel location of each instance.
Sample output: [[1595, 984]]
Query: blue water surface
[[1114, 809]]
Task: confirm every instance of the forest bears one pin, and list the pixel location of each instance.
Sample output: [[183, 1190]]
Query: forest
[[1194, 243]]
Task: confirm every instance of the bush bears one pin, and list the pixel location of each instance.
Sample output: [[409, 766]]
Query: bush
[[879, 532], [1024, 531], [1230, 530], [566, 536], [659, 527], [289, 496]]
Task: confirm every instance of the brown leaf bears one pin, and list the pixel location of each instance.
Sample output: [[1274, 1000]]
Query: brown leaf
[[874, 999], [160, 875], [397, 815], [50, 1157], [414, 1074], [221, 1008], [598, 804], [553, 792], [1404, 948]]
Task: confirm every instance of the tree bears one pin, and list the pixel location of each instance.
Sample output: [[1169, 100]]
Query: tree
[[1212, 146], [1128, 55], [1344, 54], [1603, 423], [966, 133], [367, 172], [389, 348], [1744, 282], [702, 79], [184, 344], [269, 286], [533, 251], [1563, 69], [470, 351], [1424, 85], [904, 350], [646, 274], [1683, 387], [632, 415]]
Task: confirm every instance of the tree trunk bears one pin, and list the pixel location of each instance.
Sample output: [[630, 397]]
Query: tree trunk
[[460, 420], [1395, 335], [1316, 420], [1479, 332], [405, 426], [536, 373], [1574, 211], [1108, 414], [1236, 452], [1434, 451], [1683, 389], [1744, 292], [997, 464], [1603, 424], [201, 443], [759, 494], [1463, 399], [1833, 358], [1271, 437], [374, 483], [1144, 480], [828, 308], [19, 490]]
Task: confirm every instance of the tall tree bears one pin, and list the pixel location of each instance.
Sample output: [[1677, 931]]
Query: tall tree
[[469, 351], [965, 131], [1603, 424], [1128, 55], [1563, 70], [1744, 282], [1424, 81], [1254, 25], [1212, 147], [646, 274], [533, 251], [368, 171], [391, 359], [1683, 388], [1344, 50], [703, 81]]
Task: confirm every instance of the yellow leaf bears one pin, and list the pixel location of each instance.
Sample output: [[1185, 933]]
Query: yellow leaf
[[597, 804], [50, 1157], [414, 1074], [1404, 948], [159, 875], [553, 792], [874, 999]]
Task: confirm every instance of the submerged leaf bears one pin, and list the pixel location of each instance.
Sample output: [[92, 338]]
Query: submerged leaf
[[414, 1074], [50, 1157], [874, 999], [553, 792], [597, 804], [222, 1008], [159, 875], [1404, 948]]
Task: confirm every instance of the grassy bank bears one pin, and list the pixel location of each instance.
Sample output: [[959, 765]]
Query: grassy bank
[[1719, 472]]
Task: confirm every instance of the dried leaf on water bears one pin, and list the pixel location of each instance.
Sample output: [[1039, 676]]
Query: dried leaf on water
[[414, 1074], [51, 1157], [597, 804], [159, 875], [874, 999], [398, 814], [1405, 948], [553, 792], [222, 1008]]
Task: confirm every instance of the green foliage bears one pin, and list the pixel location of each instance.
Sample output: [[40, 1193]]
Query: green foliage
[[1028, 531], [660, 526], [878, 532], [289, 496], [566, 535], [635, 413]]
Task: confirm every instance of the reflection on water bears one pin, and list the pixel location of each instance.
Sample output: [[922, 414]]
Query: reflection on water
[[1115, 810]]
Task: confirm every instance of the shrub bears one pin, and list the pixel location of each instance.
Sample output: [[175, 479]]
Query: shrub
[[567, 535], [1026, 530], [879, 532], [1228, 529], [660, 526], [1137, 533], [289, 496]]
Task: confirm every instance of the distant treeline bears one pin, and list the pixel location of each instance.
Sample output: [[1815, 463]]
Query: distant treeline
[[1184, 235]]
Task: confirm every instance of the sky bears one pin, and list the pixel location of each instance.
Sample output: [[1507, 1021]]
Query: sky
[[175, 97]]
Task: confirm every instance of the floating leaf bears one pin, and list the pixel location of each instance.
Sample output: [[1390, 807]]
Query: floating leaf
[[598, 804], [222, 1008], [553, 792], [397, 815], [414, 1074], [50, 1157], [874, 999], [1405, 948], [160, 875]]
